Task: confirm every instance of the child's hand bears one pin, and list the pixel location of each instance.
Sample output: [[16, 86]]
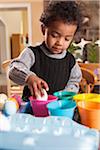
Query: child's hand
[[36, 85]]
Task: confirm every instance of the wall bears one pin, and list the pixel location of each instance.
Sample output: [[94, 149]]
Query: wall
[[24, 22], [13, 22], [37, 7], [3, 53]]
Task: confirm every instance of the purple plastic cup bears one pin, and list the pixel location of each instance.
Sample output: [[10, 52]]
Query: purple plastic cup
[[39, 106]]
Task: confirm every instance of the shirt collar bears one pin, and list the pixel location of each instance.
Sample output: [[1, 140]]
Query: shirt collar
[[49, 54]]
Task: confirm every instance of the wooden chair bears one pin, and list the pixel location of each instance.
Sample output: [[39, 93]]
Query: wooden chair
[[88, 80], [12, 88], [94, 67]]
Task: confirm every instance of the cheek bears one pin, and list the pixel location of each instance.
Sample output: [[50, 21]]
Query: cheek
[[51, 41], [67, 44], [48, 42]]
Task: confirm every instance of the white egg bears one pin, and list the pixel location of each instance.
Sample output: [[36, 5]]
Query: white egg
[[3, 99], [10, 108], [4, 123], [44, 97]]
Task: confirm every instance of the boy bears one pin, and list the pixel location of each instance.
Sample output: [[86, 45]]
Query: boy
[[50, 65]]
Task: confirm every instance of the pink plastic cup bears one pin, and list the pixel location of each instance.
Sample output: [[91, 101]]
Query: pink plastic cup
[[39, 107]]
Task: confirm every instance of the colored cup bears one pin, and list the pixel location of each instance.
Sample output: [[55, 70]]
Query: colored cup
[[89, 113], [62, 108], [87, 97], [64, 94], [39, 107]]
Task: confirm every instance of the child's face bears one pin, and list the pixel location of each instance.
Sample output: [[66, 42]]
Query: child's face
[[58, 36]]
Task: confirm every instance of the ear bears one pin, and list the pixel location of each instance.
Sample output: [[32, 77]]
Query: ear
[[43, 29]]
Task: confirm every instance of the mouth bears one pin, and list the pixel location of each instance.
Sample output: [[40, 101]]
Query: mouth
[[55, 49]]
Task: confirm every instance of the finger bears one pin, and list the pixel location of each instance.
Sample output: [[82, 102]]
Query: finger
[[45, 85], [40, 89], [39, 85], [35, 88], [42, 85]]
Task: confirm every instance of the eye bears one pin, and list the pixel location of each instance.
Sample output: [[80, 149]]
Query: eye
[[67, 39], [55, 35]]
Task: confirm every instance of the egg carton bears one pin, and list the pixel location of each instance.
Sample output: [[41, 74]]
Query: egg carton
[[49, 133]]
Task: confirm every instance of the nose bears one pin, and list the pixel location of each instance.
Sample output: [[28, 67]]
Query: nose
[[60, 41]]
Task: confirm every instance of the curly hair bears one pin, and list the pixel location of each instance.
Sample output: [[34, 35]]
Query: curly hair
[[67, 11]]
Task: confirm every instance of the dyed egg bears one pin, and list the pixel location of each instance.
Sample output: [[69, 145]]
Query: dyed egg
[[44, 97], [10, 108], [15, 101], [3, 99], [18, 98]]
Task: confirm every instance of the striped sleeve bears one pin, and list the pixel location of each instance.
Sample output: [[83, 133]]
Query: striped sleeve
[[75, 78], [19, 68]]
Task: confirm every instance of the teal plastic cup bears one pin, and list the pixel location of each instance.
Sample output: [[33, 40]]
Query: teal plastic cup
[[62, 108], [64, 95]]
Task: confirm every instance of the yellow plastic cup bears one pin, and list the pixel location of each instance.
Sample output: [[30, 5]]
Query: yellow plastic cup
[[87, 97], [89, 113]]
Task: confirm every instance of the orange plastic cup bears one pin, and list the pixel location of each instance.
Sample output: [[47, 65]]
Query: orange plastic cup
[[89, 113]]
